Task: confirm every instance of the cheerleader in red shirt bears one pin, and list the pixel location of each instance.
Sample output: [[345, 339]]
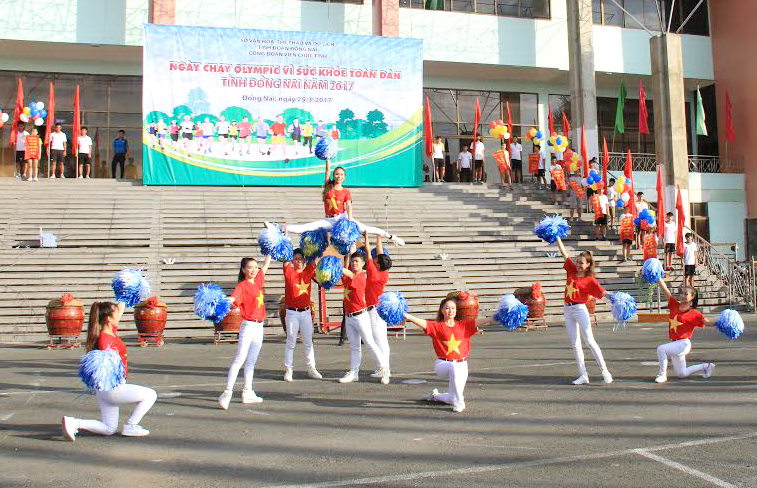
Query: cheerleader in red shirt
[[451, 341], [682, 320], [337, 202], [579, 286], [248, 296], [102, 334], [357, 321], [378, 276], [298, 278]]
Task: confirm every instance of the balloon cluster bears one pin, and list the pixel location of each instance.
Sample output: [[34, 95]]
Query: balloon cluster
[[3, 117], [34, 112], [645, 219], [623, 187], [498, 128], [594, 181], [557, 143], [535, 135], [573, 159]]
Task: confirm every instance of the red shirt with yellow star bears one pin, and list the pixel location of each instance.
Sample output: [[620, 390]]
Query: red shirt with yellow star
[[297, 285], [681, 324], [354, 292], [248, 296], [109, 341], [335, 200], [377, 280], [451, 342], [578, 289]]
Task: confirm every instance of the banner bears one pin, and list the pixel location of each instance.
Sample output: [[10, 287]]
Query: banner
[[247, 107]]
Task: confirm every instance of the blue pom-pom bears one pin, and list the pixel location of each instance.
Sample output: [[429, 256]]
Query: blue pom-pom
[[652, 270], [102, 370], [551, 227], [343, 249], [623, 306], [730, 323], [273, 242], [211, 302], [326, 148], [374, 251], [313, 243], [130, 286], [344, 234], [392, 307], [329, 271], [511, 313]]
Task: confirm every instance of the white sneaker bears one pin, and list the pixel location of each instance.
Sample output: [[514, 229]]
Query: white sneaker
[[581, 380], [249, 396], [134, 430], [225, 399], [70, 428], [397, 240], [88, 177], [661, 378], [63, 176], [52, 177], [349, 377], [313, 373], [607, 376], [80, 177], [376, 373], [35, 179], [708, 370], [431, 397], [385, 376], [458, 406], [288, 375]]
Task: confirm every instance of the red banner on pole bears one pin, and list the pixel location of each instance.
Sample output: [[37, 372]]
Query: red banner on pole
[[605, 160], [628, 173], [551, 119], [643, 113], [565, 124], [428, 131], [17, 111], [77, 123], [681, 219], [660, 204], [50, 123], [476, 121]]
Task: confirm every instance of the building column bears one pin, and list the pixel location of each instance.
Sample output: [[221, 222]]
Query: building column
[[386, 18], [162, 12], [583, 85]]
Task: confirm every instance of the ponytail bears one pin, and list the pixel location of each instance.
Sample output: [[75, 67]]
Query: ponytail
[[98, 314]]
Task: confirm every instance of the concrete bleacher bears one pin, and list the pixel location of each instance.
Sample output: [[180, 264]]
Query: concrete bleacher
[[105, 225]]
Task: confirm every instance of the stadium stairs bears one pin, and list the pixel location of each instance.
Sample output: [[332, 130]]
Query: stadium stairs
[[459, 236]]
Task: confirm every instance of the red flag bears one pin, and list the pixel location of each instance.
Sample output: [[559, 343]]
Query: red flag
[[509, 123], [643, 114], [681, 222], [584, 151], [551, 120], [605, 161], [476, 120], [660, 204], [628, 173], [565, 124], [428, 130], [17, 111], [77, 123], [50, 123], [730, 132]]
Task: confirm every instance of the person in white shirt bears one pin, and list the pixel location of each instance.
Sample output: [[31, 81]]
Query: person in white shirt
[[464, 165], [641, 232], [690, 252], [671, 235], [187, 130], [223, 127], [612, 197], [478, 160], [516, 156], [208, 129], [21, 134], [58, 142], [600, 221], [437, 154], [541, 172], [85, 154]]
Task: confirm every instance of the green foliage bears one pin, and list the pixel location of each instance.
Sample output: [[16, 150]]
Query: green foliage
[[180, 111], [197, 100], [375, 124], [351, 128], [236, 113], [201, 118], [296, 113], [156, 115]]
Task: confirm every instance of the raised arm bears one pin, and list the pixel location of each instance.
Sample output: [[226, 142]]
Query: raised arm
[[121, 307], [379, 245], [266, 264], [349, 274], [348, 208], [664, 287], [419, 322], [368, 246], [326, 178], [483, 322], [561, 247]]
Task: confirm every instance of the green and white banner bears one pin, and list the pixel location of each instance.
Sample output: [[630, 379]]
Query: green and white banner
[[247, 107]]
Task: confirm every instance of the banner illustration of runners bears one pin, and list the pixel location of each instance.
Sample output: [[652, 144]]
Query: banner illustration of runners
[[247, 107]]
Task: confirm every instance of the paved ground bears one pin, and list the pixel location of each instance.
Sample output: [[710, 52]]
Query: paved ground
[[525, 425]]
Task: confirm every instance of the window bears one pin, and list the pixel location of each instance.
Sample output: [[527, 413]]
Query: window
[[530, 9], [607, 12], [700, 221]]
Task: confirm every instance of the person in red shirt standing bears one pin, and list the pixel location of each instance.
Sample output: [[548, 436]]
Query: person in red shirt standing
[[357, 322], [102, 334], [451, 341], [682, 320], [298, 278], [337, 201], [579, 286], [248, 296], [378, 276]]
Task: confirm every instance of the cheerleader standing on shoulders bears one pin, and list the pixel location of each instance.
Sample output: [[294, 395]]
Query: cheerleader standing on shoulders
[[580, 285], [102, 334], [357, 321], [248, 296], [682, 320], [377, 278], [451, 341]]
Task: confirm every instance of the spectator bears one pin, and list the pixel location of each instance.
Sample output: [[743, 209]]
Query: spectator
[[464, 160], [120, 150], [21, 134], [600, 206], [516, 156], [612, 197], [671, 233], [478, 160], [557, 183], [438, 157], [58, 142], [32, 151], [650, 243], [541, 169], [575, 196], [641, 231], [85, 153], [626, 234], [690, 258]]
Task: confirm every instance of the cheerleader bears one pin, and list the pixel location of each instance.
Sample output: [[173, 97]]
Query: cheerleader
[[682, 320], [377, 278], [451, 341], [337, 202], [248, 296], [580, 286], [102, 334]]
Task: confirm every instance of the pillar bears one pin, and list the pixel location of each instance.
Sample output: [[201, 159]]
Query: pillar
[[386, 18], [583, 86], [162, 12]]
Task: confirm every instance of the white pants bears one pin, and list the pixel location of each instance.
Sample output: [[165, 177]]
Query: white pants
[[677, 350], [111, 400], [248, 349], [301, 322], [457, 375], [378, 330], [577, 316], [359, 329], [328, 222]]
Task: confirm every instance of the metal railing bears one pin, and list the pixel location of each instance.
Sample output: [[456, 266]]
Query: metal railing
[[737, 277], [697, 164]]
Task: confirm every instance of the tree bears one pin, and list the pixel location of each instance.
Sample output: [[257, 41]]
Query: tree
[[180, 111], [296, 113], [197, 100], [202, 117], [236, 113], [375, 125], [156, 115]]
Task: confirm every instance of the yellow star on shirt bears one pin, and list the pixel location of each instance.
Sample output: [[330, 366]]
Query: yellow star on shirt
[[453, 345], [674, 323], [260, 299], [570, 290], [333, 204], [302, 287]]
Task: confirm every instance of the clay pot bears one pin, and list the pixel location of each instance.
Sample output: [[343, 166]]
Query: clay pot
[[231, 323], [150, 317], [467, 304], [535, 306], [64, 318]]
